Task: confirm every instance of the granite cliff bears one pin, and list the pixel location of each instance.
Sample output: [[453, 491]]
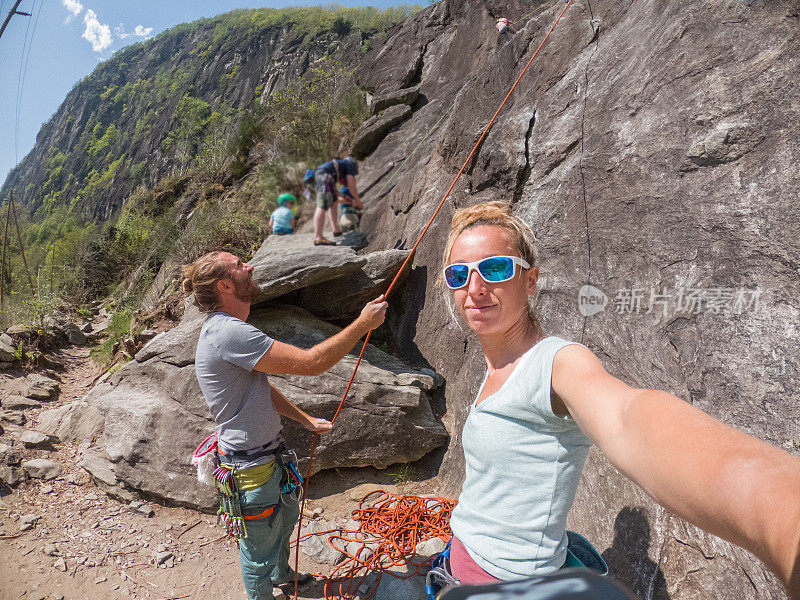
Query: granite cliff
[[653, 149]]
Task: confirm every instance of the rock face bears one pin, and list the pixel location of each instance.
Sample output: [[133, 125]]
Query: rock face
[[149, 416], [651, 145], [404, 96], [374, 129]]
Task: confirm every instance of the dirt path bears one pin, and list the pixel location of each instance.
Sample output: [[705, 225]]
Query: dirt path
[[85, 545]]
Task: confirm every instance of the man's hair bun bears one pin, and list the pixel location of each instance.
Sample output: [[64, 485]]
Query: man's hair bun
[[201, 278]]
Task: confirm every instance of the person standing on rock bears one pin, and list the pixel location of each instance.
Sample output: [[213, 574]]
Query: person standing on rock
[[231, 363], [326, 177], [545, 400]]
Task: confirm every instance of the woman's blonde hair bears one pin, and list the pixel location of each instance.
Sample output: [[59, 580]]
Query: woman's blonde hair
[[493, 214], [201, 278]]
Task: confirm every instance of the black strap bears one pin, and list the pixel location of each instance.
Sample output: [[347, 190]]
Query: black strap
[[255, 453]]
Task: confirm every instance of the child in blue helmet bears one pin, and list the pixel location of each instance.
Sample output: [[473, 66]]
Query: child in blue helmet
[[281, 221]]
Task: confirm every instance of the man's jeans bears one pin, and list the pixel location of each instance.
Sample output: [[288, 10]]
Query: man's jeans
[[264, 553]]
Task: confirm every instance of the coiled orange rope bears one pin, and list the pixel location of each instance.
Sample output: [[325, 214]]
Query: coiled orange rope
[[389, 529], [402, 268]]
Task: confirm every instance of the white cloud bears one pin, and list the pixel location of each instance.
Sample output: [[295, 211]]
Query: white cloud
[[96, 33], [138, 31], [74, 7]]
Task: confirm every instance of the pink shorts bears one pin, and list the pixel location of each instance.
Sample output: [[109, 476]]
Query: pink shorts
[[464, 568]]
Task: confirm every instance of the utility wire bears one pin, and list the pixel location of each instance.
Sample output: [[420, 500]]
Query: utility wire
[[19, 88], [23, 71]]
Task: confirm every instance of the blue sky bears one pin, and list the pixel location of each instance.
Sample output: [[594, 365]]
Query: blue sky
[[68, 38]]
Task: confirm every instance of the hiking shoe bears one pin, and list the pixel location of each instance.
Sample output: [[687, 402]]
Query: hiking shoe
[[302, 579], [324, 242], [338, 233]]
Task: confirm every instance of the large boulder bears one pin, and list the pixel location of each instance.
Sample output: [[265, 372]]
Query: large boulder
[[345, 297], [329, 281], [651, 145], [387, 417], [285, 263], [64, 329], [152, 413]]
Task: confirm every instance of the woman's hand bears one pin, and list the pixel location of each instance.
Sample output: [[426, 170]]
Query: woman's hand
[[318, 425]]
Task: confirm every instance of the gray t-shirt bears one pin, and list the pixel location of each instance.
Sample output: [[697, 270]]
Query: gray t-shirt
[[238, 397]]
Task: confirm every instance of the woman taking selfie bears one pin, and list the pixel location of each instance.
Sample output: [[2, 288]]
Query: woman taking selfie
[[545, 400]]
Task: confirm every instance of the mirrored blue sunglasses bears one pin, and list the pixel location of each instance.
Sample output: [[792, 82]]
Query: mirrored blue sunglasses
[[493, 269]]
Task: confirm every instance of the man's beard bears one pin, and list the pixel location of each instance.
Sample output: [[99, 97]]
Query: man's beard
[[245, 289]]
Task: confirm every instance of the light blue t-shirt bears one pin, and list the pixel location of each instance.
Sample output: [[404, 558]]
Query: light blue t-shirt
[[238, 397], [281, 219], [523, 465]]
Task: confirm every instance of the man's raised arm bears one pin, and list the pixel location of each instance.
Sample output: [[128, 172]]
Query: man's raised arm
[[284, 358]]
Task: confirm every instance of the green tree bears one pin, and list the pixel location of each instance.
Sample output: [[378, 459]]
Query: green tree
[[190, 119]]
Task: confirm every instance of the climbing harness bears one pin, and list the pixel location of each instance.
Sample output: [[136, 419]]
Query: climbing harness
[[230, 480], [403, 267], [580, 555], [440, 577]]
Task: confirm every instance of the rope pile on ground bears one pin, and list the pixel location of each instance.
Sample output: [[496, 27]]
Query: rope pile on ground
[[389, 529]]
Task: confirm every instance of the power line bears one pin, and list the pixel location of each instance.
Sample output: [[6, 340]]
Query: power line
[[23, 71]]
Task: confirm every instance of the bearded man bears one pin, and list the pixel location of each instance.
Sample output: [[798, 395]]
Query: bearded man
[[231, 363]]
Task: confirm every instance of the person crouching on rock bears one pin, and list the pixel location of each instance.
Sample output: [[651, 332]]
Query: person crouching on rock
[[326, 177], [231, 363], [281, 221], [545, 400], [349, 210]]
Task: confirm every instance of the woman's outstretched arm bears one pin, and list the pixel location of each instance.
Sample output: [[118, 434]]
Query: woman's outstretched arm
[[712, 475]]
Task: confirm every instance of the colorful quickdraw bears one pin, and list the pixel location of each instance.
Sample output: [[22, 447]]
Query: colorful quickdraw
[[230, 511]]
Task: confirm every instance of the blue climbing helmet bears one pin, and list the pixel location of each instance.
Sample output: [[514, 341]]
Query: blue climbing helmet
[[308, 176], [345, 191]]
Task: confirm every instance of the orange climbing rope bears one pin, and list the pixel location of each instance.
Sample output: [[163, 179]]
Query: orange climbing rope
[[394, 281], [389, 529]]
